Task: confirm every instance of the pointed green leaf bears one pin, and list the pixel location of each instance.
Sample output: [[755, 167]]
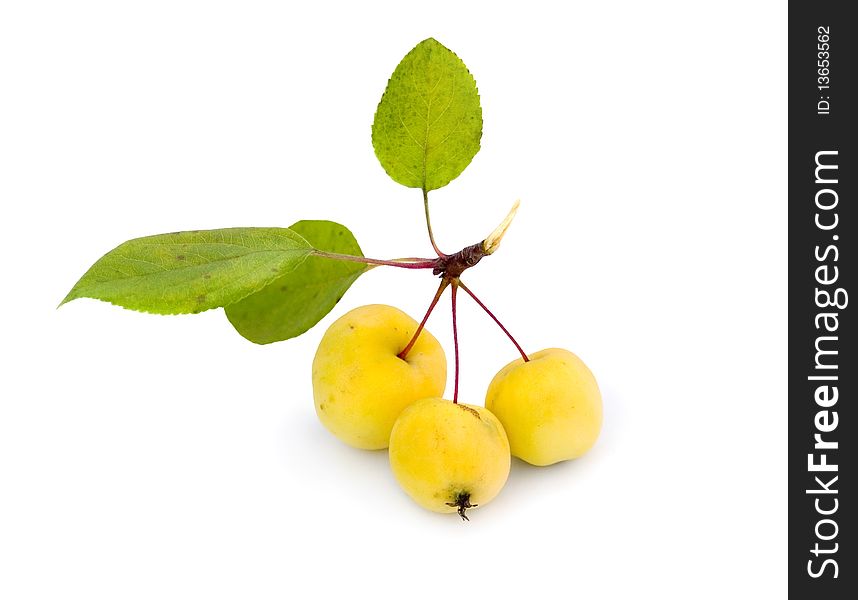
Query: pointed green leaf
[[295, 302], [191, 271], [428, 124]]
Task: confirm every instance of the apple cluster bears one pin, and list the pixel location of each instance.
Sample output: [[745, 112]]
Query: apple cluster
[[378, 376], [448, 456]]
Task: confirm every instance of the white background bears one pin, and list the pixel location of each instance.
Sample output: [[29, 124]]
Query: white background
[[167, 457]]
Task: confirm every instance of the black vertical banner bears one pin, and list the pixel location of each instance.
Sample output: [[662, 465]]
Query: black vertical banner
[[823, 364]]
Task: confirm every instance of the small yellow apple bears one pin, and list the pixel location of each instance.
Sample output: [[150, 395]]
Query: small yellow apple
[[550, 406], [360, 385], [449, 457]]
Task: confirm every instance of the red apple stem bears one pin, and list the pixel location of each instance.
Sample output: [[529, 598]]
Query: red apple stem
[[455, 344], [420, 263], [429, 224], [485, 308], [441, 288]]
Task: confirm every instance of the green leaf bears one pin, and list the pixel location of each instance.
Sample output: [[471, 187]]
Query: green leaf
[[191, 271], [428, 124], [295, 302]]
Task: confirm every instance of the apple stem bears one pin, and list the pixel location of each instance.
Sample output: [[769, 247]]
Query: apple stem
[[420, 263], [441, 288], [485, 308], [455, 346], [429, 224]]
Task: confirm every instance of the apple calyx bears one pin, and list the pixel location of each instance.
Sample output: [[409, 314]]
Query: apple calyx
[[463, 502]]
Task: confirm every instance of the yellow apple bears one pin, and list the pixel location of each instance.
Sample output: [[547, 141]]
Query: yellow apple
[[449, 457], [550, 406], [360, 385]]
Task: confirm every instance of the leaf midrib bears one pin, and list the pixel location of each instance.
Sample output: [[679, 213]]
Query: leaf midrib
[[180, 268]]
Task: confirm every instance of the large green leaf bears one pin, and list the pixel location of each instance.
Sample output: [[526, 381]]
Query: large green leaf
[[295, 302], [191, 271], [428, 124]]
